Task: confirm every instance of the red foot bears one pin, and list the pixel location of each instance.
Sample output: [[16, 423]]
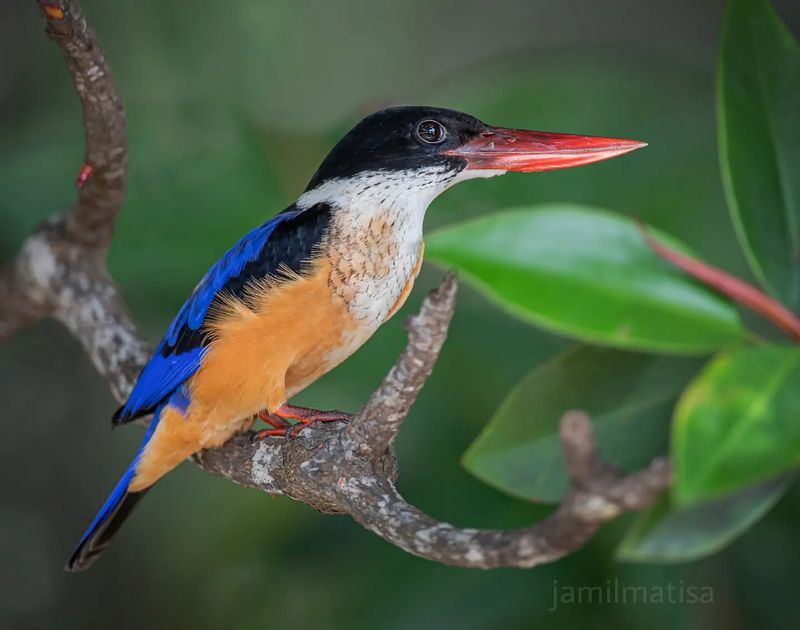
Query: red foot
[[306, 417], [274, 421], [278, 424], [264, 433]]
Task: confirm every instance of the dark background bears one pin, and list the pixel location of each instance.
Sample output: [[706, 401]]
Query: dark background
[[231, 106]]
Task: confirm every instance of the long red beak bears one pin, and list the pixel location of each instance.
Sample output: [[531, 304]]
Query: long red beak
[[528, 151]]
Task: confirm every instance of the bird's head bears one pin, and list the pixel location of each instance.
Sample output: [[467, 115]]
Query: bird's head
[[409, 155]]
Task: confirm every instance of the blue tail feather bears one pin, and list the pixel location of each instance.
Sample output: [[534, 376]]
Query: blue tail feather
[[113, 512]]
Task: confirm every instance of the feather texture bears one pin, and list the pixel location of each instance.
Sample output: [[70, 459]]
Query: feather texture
[[286, 240], [114, 511]]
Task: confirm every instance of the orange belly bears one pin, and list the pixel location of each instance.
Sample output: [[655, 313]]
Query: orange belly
[[287, 335], [279, 340], [283, 336]]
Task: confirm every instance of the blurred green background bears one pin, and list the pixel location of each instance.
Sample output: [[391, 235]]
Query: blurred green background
[[231, 106]]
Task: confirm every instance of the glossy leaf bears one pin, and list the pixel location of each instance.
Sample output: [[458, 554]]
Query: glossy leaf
[[669, 533], [587, 273], [758, 98], [738, 423], [629, 396]]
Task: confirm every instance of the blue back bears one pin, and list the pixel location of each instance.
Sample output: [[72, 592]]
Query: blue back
[[180, 352]]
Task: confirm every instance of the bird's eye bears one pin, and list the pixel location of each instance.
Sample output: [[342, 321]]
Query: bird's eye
[[431, 131]]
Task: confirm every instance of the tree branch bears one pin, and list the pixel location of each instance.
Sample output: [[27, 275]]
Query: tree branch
[[60, 272], [80, 237], [103, 176], [373, 430]]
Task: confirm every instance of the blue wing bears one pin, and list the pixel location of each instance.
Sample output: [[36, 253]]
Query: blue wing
[[180, 352]]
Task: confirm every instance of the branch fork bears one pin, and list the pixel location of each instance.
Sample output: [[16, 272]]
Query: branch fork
[[60, 272]]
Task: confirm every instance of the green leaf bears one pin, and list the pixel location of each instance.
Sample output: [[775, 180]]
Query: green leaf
[[758, 100], [737, 423], [587, 273], [669, 533], [629, 396]]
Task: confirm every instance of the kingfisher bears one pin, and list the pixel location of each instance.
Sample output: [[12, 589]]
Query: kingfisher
[[298, 294]]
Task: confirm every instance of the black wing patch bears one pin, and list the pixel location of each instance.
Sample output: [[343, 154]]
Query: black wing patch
[[291, 243], [286, 240]]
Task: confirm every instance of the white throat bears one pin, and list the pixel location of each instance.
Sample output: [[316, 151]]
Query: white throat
[[368, 192], [375, 239]]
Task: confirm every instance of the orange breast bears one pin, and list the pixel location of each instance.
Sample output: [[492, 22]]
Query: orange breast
[[285, 335], [280, 338]]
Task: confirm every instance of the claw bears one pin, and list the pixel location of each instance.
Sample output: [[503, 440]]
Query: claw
[[305, 417], [265, 433], [308, 416], [274, 421]]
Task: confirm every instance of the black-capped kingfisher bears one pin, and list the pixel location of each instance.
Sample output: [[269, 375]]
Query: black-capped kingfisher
[[300, 293]]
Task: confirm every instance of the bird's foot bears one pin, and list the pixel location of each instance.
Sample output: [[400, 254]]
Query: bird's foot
[[265, 433], [278, 424], [308, 416], [305, 417]]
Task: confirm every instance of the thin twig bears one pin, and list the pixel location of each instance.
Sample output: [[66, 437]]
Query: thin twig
[[84, 233], [737, 290], [375, 427], [103, 176]]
